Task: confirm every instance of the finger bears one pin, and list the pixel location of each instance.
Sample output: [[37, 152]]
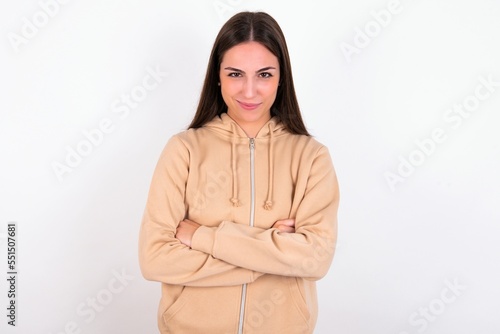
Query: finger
[[191, 223], [286, 229], [187, 223], [289, 222]]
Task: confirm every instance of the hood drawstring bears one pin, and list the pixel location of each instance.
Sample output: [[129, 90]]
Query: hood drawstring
[[269, 203], [234, 199]]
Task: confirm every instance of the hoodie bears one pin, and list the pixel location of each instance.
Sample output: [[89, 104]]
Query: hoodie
[[240, 274]]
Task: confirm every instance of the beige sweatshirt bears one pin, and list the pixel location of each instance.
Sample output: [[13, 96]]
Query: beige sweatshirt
[[240, 274]]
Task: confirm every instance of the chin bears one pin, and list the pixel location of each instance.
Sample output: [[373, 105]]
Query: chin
[[250, 116]]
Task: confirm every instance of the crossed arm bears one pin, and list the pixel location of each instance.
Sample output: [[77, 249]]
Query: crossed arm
[[189, 253], [187, 228]]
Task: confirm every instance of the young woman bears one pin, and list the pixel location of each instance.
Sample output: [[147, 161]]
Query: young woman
[[241, 215]]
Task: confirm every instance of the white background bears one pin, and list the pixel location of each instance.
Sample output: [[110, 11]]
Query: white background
[[399, 248]]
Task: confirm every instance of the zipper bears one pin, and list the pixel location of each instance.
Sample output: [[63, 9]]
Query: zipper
[[252, 218], [252, 180]]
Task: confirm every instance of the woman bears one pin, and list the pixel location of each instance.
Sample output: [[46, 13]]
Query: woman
[[241, 215]]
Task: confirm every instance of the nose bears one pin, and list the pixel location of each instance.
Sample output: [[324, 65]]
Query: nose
[[249, 88]]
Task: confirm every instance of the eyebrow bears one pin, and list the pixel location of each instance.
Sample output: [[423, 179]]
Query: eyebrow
[[241, 71]]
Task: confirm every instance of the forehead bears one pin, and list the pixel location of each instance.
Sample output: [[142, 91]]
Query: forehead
[[249, 54]]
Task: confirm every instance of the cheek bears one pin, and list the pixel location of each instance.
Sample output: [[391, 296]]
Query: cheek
[[227, 95], [229, 87], [270, 90]]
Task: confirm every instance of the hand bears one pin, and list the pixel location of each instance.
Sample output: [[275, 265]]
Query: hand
[[285, 225], [185, 231]]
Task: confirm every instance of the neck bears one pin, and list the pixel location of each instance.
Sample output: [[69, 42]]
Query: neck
[[251, 129]]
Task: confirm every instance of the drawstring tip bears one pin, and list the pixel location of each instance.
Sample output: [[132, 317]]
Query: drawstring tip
[[235, 201], [268, 206]]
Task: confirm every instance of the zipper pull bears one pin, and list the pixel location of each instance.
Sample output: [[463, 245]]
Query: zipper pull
[[252, 143]]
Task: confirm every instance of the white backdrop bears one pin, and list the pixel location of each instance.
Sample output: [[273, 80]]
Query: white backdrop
[[406, 95]]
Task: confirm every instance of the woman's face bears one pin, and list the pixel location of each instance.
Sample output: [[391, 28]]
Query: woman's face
[[249, 78]]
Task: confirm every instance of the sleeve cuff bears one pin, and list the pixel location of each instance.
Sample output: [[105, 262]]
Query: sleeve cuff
[[203, 239]]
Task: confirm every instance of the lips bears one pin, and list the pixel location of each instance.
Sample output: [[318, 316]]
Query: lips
[[249, 106]]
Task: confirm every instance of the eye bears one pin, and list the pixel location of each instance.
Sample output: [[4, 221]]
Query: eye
[[234, 74], [265, 75]]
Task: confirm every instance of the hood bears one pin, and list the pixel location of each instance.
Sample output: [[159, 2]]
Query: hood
[[226, 126]]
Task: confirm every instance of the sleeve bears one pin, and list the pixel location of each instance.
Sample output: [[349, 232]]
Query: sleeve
[[164, 258], [306, 253]]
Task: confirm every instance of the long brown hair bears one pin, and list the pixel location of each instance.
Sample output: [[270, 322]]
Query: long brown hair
[[244, 27]]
